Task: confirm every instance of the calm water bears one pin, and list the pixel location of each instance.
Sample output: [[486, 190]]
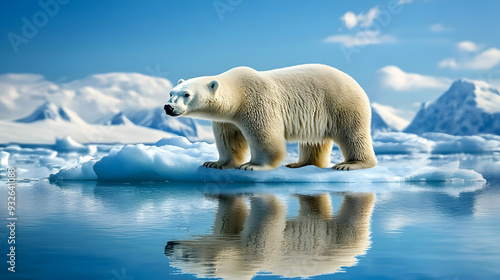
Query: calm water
[[89, 230]]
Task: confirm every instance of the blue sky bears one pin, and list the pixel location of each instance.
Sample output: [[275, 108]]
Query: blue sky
[[401, 55]]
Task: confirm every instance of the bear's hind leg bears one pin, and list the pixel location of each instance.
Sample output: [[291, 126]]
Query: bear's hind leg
[[358, 153], [231, 145], [313, 154]]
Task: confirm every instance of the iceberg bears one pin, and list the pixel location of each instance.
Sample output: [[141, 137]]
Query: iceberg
[[67, 144], [83, 170], [177, 159]]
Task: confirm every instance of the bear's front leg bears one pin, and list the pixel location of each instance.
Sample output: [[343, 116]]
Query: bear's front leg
[[267, 148], [231, 145]]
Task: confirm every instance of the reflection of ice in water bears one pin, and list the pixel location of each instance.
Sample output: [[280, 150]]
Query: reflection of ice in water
[[245, 241]]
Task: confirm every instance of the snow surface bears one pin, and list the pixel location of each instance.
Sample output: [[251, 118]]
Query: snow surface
[[45, 132], [176, 159], [467, 108]]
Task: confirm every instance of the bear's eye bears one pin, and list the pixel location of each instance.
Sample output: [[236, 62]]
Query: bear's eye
[[186, 95]]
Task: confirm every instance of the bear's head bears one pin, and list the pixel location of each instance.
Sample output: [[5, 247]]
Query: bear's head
[[192, 97]]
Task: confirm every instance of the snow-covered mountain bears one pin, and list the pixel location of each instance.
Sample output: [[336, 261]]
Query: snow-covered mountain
[[93, 98], [468, 107], [194, 130], [49, 122], [119, 119], [50, 111]]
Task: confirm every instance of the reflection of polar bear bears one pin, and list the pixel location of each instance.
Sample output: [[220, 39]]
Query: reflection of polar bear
[[313, 243], [312, 104]]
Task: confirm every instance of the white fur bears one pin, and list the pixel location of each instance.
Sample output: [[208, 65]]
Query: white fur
[[311, 104]]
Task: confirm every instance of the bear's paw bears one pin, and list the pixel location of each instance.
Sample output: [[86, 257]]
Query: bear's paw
[[218, 165], [251, 167]]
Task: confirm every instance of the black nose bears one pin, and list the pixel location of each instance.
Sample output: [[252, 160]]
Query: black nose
[[170, 247], [169, 110]]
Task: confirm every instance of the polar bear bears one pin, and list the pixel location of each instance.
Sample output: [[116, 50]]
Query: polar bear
[[245, 242], [312, 104]]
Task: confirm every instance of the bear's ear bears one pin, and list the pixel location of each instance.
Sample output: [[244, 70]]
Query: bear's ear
[[180, 81], [213, 86]]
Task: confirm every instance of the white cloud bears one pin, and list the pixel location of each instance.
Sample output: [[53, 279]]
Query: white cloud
[[481, 61], [352, 20], [438, 27], [468, 46], [397, 79], [361, 38], [448, 63]]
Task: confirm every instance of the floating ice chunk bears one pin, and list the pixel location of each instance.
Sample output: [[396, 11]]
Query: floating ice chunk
[[67, 144], [106, 147], [83, 170], [183, 142], [449, 172], [437, 143], [15, 149], [167, 162], [446, 143], [400, 143], [179, 160], [4, 159], [52, 160], [178, 141]]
